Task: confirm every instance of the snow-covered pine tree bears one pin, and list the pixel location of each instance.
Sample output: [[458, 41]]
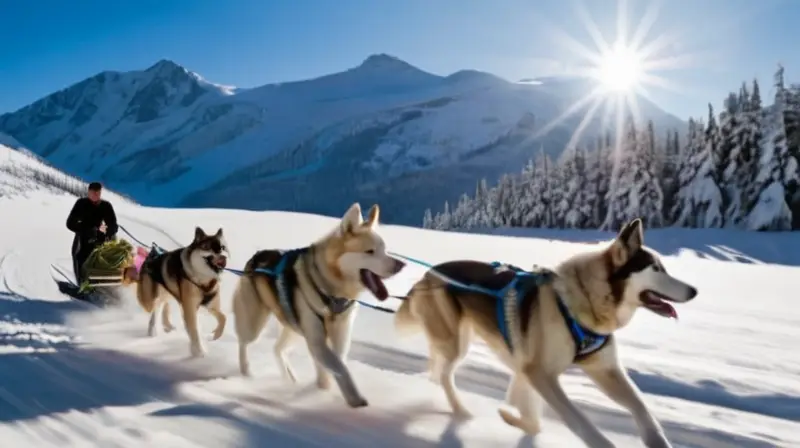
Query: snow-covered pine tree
[[573, 209], [699, 200], [460, 216], [482, 212], [505, 201], [606, 171], [594, 182], [681, 213], [566, 168], [791, 121], [728, 149], [669, 173], [427, 219], [539, 215], [555, 194], [747, 160], [442, 221], [778, 169], [525, 195], [621, 189], [648, 187]]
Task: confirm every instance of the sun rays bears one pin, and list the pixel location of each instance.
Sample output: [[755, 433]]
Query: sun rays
[[622, 71]]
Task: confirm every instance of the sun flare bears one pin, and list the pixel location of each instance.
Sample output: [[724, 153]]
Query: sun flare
[[620, 69]]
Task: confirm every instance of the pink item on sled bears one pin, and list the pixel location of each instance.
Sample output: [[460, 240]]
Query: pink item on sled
[[138, 259]]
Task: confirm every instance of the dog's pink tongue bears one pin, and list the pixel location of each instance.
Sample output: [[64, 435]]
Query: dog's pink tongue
[[671, 310]]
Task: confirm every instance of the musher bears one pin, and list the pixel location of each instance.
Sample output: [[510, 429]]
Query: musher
[[94, 222]]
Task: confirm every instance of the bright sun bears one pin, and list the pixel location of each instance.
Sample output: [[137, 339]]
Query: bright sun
[[620, 69]]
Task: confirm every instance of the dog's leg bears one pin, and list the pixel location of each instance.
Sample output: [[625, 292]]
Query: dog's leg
[[151, 324], [190, 321], [550, 389], [452, 353], [316, 339], [323, 376], [215, 311], [339, 333], [522, 396], [166, 323], [617, 385], [434, 364], [284, 342], [250, 315]]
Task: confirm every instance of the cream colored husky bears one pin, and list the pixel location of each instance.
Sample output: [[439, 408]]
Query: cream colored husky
[[598, 292], [312, 292]]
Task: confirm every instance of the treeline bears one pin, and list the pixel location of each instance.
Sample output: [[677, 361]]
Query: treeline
[[737, 169]]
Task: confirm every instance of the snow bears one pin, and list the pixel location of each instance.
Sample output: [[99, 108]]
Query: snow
[[75, 375]]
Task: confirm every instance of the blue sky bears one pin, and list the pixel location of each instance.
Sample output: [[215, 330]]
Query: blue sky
[[49, 44]]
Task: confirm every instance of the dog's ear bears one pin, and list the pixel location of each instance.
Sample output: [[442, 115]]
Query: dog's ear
[[629, 240], [374, 216], [199, 234], [351, 219], [219, 233]]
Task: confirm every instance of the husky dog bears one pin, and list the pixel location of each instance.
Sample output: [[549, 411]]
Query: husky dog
[[191, 275], [567, 319], [312, 292]]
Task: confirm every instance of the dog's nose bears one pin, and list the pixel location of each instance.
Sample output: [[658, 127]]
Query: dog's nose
[[692, 292], [222, 261], [398, 265]]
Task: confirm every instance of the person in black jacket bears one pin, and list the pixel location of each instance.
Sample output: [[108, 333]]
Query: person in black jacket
[[94, 222]]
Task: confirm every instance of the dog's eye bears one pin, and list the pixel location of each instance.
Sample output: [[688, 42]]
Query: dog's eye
[[371, 251]]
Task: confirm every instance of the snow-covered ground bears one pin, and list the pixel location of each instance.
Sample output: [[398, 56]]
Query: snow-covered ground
[[727, 374]]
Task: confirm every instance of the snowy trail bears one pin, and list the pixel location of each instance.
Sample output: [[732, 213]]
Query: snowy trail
[[74, 375]]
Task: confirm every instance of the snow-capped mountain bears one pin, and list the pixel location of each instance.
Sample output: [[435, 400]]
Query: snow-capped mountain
[[382, 131], [23, 172]]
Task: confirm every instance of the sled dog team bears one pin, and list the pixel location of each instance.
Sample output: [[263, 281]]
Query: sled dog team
[[550, 321]]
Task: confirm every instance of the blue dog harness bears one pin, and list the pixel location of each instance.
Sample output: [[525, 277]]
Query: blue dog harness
[[587, 342], [285, 281]]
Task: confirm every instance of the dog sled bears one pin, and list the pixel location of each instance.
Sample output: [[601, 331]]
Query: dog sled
[[113, 264]]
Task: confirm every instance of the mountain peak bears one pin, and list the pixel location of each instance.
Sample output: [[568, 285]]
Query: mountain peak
[[384, 61], [165, 66]]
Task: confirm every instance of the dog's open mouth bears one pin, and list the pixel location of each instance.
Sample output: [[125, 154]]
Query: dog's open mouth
[[658, 304], [374, 283], [216, 263]]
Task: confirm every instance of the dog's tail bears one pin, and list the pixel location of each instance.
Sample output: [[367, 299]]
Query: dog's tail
[[427, 302]]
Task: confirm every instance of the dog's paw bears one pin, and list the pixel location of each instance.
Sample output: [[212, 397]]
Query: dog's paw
[[217, 333], [197, 350], [357, 402], [531, 426], [168, 328]]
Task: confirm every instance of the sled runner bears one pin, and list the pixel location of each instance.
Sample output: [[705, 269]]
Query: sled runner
[[99, 297]]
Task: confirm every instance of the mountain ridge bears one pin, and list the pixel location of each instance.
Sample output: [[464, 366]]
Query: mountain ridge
[[168, 137]]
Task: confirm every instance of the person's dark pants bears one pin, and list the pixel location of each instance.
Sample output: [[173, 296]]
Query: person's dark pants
[[80, 252]]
